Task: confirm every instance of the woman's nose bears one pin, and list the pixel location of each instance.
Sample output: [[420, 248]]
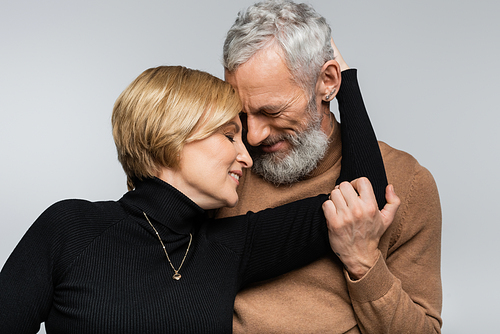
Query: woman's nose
[[243, 156]]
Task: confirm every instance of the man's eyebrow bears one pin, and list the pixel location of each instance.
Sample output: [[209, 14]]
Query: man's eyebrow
[[273, 107]]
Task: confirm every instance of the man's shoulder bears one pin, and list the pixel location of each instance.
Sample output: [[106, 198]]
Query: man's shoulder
[[406, 173], [392, 155], [399, 162]]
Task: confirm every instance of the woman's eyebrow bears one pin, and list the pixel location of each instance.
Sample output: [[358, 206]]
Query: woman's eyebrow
[[235, 125]]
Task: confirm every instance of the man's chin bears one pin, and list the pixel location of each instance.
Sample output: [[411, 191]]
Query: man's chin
[[294, 161]]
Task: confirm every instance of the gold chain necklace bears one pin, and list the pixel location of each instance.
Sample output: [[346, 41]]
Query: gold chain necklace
[[176, 275]]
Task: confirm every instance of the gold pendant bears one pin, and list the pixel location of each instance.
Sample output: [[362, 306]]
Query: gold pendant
[[177, 276]]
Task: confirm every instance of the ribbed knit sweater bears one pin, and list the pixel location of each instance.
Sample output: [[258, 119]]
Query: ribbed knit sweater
[[98, 267]]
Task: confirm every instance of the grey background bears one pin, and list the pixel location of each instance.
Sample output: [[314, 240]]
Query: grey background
[[428, 71]]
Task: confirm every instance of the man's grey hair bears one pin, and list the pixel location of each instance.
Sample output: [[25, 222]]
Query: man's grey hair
[[297, 29]]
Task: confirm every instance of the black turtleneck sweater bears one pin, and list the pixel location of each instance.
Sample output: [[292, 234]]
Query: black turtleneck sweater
[[98, 267]]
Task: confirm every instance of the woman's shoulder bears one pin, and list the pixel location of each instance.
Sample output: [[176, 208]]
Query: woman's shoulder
[[66, 228], [85, 209], [71, 214]]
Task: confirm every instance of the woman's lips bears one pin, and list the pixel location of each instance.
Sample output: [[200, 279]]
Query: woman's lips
[[236, 176]]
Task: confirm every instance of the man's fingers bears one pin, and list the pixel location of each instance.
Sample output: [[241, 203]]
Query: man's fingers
[[364, 188], [338, 199], [390, 209], [330, 211], [349, 193]]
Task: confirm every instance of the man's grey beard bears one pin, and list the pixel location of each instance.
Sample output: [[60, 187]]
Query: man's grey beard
[[308, 148]]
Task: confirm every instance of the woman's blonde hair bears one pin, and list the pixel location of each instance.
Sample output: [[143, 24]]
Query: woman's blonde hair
[[163, 109]]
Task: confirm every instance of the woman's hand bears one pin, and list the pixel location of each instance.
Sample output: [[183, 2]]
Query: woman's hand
[[355, 225], [338, 57]]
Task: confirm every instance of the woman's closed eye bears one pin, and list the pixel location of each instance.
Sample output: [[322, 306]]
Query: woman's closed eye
[[231, 131]]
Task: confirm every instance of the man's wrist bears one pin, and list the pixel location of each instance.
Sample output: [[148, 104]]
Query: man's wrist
[[374, 285], [358, 268]]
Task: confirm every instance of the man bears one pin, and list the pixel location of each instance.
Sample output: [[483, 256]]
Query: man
[[278, 57]]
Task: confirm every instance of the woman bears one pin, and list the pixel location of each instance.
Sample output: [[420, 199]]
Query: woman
[[154, 262]]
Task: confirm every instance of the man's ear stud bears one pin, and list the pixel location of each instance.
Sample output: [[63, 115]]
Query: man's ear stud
[[330, 95]]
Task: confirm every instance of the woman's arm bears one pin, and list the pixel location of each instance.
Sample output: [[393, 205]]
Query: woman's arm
[[360, 150], [26, 286]]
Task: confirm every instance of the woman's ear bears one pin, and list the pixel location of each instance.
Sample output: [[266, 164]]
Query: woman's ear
[[329, 79]]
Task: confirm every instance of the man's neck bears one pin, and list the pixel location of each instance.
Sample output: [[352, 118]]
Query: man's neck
[[328, 123]]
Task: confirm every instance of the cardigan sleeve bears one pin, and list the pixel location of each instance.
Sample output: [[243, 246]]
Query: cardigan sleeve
[[402, 292]]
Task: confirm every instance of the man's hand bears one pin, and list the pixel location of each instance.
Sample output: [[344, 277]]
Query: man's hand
[[355, 225]]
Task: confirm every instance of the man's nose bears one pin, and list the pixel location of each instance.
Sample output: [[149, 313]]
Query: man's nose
[[258, 130]]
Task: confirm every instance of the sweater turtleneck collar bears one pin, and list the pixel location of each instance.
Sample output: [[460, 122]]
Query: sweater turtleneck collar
[[164, 204]]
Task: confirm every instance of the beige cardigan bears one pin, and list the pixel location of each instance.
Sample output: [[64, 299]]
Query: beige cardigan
[[400, 294]]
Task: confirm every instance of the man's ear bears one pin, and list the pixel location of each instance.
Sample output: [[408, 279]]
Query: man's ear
[[329, 79]]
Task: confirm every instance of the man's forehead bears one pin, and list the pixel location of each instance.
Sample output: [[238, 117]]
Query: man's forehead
[[264, 83], [266, 64]]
